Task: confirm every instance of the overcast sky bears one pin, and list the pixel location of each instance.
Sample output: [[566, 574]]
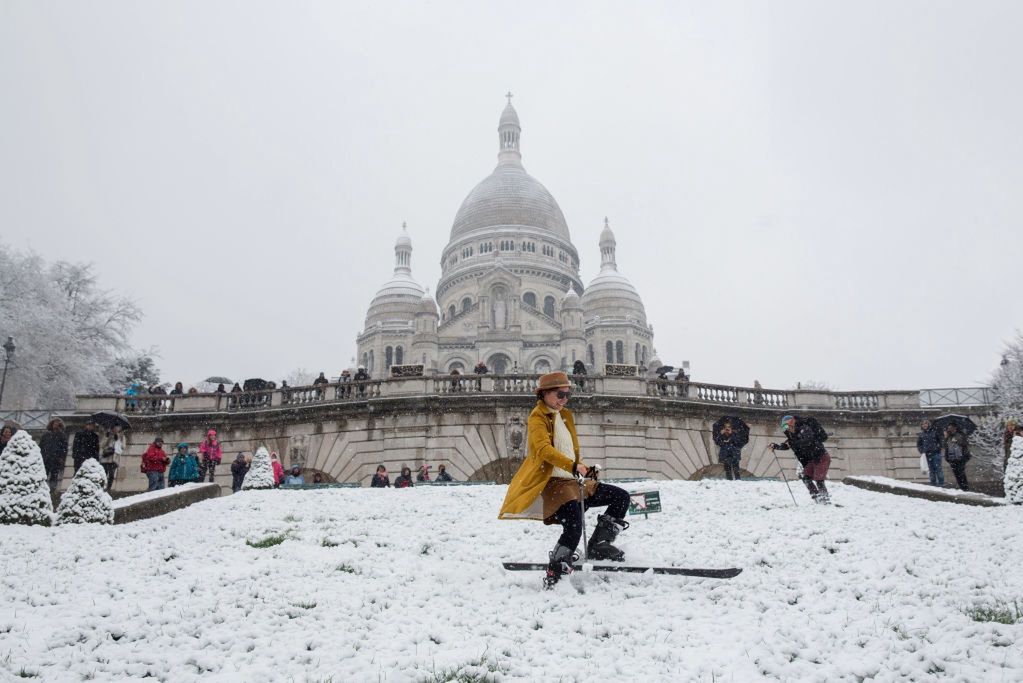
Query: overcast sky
[[799, 190]]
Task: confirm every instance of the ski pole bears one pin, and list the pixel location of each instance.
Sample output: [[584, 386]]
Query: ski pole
[[582, 512], [782, 470]]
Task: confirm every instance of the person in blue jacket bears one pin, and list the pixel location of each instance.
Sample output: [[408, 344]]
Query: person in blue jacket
[[184, 467]]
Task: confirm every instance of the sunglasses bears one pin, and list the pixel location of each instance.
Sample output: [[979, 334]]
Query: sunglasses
[[562, 395]]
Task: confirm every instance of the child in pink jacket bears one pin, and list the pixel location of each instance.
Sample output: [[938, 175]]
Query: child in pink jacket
[[211, 453]]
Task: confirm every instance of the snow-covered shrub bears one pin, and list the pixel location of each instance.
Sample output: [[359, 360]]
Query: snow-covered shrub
[[24, 494], [261, 473], [86, 500], [1014, 472], [1006, 394]]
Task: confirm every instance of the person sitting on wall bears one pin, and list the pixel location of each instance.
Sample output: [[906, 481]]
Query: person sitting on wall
[[380, 479], [442, 474], [294, 477], [405, 480]]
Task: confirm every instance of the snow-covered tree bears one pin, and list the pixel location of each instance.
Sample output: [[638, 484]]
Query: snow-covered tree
[[1014, 473], [300, 377], [1006, 396], [86, 500], [261, 473], [68, 331], [24, 494], [138, 367]]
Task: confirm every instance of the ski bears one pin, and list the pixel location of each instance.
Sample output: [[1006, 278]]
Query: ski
[[677, 571]]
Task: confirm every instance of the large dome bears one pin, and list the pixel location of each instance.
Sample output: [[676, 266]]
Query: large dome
[[508, 197], [610, 295]]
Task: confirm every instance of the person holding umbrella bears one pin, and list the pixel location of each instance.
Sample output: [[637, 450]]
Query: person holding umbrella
[[730, 435], [86, 445], [956, 449]]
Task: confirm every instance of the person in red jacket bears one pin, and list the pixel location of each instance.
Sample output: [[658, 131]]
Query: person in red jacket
[[154, 464], [278, 468], [211, 453]]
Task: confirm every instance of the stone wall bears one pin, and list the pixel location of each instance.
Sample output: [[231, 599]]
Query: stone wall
[[630, 426]]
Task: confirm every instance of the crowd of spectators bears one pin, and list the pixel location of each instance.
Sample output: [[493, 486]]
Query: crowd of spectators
[[404, 480]]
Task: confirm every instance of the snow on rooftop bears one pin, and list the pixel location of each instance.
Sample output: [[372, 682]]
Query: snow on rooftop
[[404, 585]]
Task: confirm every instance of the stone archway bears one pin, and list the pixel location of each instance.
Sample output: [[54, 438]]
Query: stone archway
[[717, 471], [501, 470], [499, 364]]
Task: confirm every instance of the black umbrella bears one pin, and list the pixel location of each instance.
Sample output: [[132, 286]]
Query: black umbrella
[[108, 419], [965, 424], [739, 428]]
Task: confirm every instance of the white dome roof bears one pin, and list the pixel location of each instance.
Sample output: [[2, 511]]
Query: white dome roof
[[510, 197], [399, 298], [610, 294]]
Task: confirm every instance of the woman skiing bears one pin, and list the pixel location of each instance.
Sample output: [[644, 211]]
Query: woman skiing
[[545, 486]]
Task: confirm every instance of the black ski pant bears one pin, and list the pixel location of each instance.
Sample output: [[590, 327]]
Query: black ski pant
[[569, 516], [731, 467], [959, 469]]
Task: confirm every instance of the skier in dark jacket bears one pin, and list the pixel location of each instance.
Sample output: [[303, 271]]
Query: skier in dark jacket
[[380, 479], [928, 444], [730, 454], [405, 480], [86, 445], [53, 445], [805, 437]]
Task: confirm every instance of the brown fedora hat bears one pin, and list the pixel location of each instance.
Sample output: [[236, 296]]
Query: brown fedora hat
[[552, 380]]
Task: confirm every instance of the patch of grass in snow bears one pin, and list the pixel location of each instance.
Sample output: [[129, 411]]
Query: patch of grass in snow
[[267, 542], [305, 605], [480, 670], [327, 543], [346, 568], [425, 548], [999, 614], [25, 673], [292, 518]]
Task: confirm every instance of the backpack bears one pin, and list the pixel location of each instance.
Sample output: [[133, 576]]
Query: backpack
[[818, 431], [954, 452]]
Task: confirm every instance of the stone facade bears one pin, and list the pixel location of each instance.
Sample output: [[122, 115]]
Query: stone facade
[[631, 426], [510, 294]]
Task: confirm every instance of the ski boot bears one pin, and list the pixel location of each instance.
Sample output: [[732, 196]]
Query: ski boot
[[561, 560], [599, 547], [823, 497]]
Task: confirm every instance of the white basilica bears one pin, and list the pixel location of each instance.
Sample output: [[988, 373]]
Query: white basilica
[[509, 293]]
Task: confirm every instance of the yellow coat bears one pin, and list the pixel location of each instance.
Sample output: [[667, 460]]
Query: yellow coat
[[523, 500]]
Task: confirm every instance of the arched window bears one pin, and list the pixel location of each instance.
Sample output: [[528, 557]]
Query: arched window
[[593, 360], [457, 365], [399, 355], [371, 365], [610, 349], [542, 367], [638, 357], [548, 306], [388, 357], [466, 304], [529, 299], [644, 355], [620, 351], [365, 360], [451, 311]]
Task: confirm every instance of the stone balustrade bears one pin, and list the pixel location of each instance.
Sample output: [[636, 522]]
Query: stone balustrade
[[461, 385]]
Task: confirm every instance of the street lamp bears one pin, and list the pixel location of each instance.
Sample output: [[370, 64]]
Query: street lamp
[[8, 348]]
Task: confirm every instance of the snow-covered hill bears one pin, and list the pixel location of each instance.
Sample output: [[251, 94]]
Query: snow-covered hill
[[396, 585]]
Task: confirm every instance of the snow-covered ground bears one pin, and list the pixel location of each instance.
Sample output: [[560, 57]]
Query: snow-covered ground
[[400, 585]]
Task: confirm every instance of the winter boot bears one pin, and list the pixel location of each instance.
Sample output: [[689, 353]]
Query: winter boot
[[599, 547], [561, 560], [823, 497]]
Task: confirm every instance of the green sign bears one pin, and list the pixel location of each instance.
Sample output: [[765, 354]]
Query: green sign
[[644, 502]]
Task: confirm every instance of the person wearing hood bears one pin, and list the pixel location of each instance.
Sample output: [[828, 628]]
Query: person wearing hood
[[53, 445], [805, 437], [361, 377], [211, 454], [277, 467], [184, 467], [424, 473], [729, 450], [238, 469], [380, 479], [154, 464], [546, 486], [442, 474], [579, 373], [85, 446], [236, 389], [294, 477], [405, 480], [110, 456]]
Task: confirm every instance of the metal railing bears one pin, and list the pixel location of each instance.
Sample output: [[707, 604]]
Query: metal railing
[[27, 419], [963, 396]]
